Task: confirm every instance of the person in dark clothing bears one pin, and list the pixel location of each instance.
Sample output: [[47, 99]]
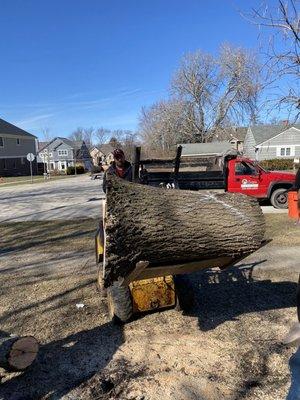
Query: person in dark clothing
[[119, 167], [297, 187]]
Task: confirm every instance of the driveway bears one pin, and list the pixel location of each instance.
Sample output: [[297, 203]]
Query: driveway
[[77, 197]]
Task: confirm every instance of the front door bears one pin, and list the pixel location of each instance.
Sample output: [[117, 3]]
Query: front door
[[63, 166]]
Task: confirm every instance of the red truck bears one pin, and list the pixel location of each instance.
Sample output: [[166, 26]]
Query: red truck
[[234, 174], [248, 177]]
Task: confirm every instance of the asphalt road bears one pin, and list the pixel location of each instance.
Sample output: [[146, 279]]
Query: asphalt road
[[77, 197]]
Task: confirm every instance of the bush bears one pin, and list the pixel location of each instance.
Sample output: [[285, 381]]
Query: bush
[[79, 170], [55, 172], [277, 164], [70, 170], [96, 169]]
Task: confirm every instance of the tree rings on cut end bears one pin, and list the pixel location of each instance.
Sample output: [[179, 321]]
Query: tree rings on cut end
[[22, 353]]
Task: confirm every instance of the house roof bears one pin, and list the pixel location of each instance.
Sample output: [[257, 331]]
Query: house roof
[[74, 144], [41, 145], [106, 148], [261, 133], [239, 133], [6, 127], [212, 148]]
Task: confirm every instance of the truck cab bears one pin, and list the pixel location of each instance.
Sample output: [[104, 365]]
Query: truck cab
[[248, 177]]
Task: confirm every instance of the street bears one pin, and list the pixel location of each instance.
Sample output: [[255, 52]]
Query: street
[[66, 199]]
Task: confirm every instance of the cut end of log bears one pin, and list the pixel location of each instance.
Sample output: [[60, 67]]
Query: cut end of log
[[22, 353]]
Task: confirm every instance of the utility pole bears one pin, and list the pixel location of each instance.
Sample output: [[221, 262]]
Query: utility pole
[[74, 150]]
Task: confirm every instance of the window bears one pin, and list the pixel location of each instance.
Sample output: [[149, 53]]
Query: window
[[243, 168], [15, 164], [52, 166], [44, 154], [22, 161], [62, 152], [286, 151], [18, 141], [1, 142], [4, 164]]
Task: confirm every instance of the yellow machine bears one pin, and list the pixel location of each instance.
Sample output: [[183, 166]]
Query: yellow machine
[[145, 294], [148, 287]]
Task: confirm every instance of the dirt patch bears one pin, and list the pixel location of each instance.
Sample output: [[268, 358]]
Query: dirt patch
[[282, 230]]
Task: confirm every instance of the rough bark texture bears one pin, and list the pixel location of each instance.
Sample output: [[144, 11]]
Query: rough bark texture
[[171, 226]]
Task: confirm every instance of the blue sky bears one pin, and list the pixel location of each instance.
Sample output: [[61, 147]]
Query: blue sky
[[71, 63]]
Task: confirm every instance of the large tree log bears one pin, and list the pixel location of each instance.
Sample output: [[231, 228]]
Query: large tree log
[[171, 226], [17, 353]]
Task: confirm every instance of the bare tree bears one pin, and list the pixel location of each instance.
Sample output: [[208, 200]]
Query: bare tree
[[102, 135], [115, 143], [209, 95], [47, 137], [217, 91], [282, 49], [85, 134], [129, 141], [162, 126]]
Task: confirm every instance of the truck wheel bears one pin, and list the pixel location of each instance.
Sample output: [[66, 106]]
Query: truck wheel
[[184, 293], [279, 198], [119, 303]]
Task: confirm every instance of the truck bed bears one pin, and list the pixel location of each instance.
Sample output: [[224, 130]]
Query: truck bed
[[189, 180]]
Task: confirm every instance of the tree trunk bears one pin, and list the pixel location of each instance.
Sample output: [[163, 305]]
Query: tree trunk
[[17, 353], [174, 226]]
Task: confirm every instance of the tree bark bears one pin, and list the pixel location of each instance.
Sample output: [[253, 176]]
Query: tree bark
[[17, 353], [174, 226]]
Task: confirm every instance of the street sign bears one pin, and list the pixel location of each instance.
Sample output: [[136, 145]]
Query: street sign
[[30, 157]]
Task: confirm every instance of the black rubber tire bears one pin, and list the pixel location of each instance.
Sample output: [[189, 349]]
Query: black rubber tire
[[184, 293], [119, 303], [279, 198]]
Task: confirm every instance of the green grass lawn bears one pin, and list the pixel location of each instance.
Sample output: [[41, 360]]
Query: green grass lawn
[[17, 180]]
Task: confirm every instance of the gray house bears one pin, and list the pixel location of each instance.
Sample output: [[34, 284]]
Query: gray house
[[266, 142], [61, 153], [15, 144]]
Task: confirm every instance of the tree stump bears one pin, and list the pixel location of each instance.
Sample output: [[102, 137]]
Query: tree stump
[[174, 226], [17, 353]]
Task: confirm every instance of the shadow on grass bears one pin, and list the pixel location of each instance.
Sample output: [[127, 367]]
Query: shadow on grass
[[24, 235], [40, 242], [63, 365], [222, 296], [56, 297]]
